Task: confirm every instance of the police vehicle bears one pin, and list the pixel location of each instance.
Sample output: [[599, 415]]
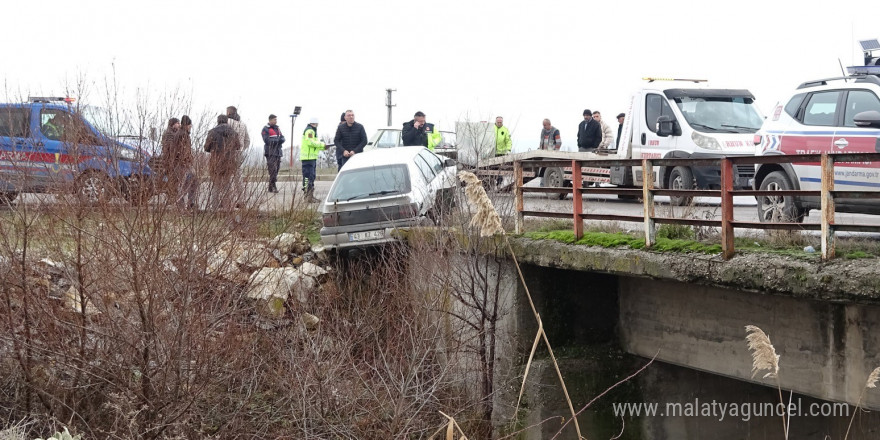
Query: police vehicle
[[47, 144], [832, 115]]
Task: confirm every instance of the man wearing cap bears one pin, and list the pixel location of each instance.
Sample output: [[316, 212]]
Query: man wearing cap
[[589, 133], [272, 142], [620, 119], [350, 139], [308, 155]]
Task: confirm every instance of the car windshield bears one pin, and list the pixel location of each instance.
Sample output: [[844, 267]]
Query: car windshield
[[370, 182], [720, 114]]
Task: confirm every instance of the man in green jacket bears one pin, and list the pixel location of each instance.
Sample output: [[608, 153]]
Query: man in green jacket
[[308, 154], [503, 141]]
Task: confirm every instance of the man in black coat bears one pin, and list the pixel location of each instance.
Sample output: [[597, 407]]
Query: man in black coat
[[350, 139], [589, 133]]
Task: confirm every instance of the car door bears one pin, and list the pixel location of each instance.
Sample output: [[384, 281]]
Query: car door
[[849, 138], [15, 135], [650, 145], [813, 134], [432, 183]]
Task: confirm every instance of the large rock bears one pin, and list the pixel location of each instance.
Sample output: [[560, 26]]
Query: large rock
[[290, 243]]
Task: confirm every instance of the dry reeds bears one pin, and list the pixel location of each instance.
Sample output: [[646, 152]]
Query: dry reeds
[[486, 218], [489, 222], [870, 383], [764, 357]]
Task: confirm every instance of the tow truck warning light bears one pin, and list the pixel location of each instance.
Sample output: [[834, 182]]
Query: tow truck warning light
[[863, 70]]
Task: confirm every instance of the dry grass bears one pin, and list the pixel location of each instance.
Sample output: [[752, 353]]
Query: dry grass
[[764, 355]]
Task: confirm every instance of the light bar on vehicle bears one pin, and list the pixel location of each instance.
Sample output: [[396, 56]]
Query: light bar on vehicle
[[863, 70], [68, 100], [652, 79]]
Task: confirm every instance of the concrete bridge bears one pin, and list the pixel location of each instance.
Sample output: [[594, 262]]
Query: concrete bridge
[[690, 310]]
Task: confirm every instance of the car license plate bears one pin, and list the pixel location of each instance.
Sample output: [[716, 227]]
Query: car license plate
[[366, 235]]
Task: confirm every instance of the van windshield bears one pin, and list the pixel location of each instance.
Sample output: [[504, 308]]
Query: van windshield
[[720, 114], [370, 182]]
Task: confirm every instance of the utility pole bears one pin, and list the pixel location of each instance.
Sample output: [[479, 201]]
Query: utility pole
[[296, 111], [389, 104]]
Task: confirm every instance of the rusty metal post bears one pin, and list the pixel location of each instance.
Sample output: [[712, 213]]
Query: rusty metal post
[[576, 184], [827, 199], [727, 250], [648, 199], [518, 196]]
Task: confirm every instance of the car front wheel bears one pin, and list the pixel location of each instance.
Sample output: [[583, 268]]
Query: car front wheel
[[683, 179]]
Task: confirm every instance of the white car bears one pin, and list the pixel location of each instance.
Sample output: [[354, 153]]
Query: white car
[[384, 189], [836, 115], [389, 137]]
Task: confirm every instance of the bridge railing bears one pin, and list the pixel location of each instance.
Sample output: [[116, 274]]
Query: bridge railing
[[827, 225]]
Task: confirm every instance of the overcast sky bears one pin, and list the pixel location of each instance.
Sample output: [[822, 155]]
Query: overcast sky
[[453, 59]]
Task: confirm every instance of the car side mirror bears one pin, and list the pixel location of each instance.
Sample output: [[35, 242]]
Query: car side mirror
[[870, 118], [668, 126], [448, 162]]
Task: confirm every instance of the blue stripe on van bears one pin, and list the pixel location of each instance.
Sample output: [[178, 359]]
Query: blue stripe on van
[[842, 182]]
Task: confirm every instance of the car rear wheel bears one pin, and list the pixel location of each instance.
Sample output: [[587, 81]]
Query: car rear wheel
[[774, 209], [6, 198], [683, 179]]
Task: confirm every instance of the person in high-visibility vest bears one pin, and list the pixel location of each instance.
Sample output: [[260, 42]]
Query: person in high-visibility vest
[[419, 132], [308, 155], [503, 141]]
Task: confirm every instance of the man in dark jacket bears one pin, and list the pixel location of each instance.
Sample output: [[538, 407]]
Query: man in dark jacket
[[419, 132], [224, 145], [589, 133], [350, 139], [272, 141]]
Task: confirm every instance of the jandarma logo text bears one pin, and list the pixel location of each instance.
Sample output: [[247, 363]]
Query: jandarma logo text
[[721, 410]]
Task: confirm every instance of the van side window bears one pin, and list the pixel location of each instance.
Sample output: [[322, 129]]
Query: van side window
[[15, 122], [858, 101], [794, 104], [656, 106], [821, 108]]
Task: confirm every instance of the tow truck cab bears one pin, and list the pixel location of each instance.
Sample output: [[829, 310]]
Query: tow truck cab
[[46, 144]]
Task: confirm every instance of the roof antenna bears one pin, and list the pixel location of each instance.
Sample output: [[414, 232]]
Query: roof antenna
[[842, 70]]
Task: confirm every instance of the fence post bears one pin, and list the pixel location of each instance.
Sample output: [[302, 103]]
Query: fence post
[[827, 207], [518, 196], [727, 247], [578, 205], [648, 199]]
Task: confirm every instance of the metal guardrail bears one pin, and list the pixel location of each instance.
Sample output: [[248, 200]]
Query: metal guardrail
[[827, 195]]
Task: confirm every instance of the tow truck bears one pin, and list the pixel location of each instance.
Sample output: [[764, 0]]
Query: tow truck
[[665, 120]]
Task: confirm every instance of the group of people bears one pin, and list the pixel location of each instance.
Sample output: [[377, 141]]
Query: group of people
[[593, 134], [226, 141], [223, 143]]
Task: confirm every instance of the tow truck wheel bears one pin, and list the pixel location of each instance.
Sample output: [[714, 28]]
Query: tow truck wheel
[[6, 198], [553, 178], [681, 178], [773, 209], [93, 188]]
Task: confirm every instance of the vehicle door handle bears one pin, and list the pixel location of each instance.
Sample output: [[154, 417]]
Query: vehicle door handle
[[644, 139], [841, 143]]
